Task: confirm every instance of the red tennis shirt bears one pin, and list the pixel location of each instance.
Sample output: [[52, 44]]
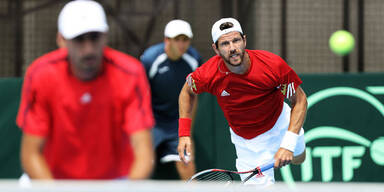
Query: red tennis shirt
[[86, 124], [251, 102]]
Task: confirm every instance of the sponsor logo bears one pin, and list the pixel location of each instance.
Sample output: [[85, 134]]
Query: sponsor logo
[[191, 83], [86, 98], [163, 69], [287, 89], [224, 93]]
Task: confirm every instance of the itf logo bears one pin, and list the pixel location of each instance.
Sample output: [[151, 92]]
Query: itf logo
[[342, 149]]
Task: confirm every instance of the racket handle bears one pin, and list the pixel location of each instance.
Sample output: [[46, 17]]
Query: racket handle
[[261, 169], [267, 166]]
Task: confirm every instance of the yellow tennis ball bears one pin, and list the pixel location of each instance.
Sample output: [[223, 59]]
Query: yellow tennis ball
[[341, 42]]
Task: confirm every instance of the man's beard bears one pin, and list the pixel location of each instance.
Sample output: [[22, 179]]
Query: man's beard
[[227, 60]]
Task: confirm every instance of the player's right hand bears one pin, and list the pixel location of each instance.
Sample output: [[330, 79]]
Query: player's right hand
[[283, 157], [185, 149]]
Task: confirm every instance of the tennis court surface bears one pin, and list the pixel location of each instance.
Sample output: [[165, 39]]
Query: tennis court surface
[[180, 186]]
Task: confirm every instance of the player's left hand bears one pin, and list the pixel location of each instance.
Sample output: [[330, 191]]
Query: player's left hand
[[185, 148], [283, 157]]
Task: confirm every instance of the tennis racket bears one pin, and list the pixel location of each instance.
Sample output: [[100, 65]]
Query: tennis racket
[[222, 175]]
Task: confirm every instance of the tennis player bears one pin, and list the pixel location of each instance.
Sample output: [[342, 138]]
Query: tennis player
[[250, 86], [167, 65], [85, 110]]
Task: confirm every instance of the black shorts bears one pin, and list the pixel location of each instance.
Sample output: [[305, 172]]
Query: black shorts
[[165, 140]]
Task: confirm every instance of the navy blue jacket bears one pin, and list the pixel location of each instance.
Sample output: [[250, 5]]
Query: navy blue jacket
[[167, 78]]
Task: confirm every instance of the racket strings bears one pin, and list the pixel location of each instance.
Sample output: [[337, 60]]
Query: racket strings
[[214, 176]]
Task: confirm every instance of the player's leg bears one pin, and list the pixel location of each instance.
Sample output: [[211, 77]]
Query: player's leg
[[158, 137], [252, 153], [168, 151], [185, 171], [297, 160]]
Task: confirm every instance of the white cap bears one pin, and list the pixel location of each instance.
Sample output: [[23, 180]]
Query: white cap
[[178, 27], [217, 32], [81, 16]]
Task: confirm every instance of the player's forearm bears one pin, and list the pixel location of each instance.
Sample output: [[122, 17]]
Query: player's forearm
[[187, 101], [298, 112], [143, 164], [297, 119], [32, 159], [36, 167], [142, 167]]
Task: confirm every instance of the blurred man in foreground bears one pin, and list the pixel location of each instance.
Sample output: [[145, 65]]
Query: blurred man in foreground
[[85, 110]]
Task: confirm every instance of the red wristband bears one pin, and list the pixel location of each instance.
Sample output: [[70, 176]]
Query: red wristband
[[185, 127]]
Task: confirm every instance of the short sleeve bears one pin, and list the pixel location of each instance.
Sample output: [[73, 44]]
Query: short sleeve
[[138, 112], [196, 82], [33, 114], [288, 79], [200, 80]]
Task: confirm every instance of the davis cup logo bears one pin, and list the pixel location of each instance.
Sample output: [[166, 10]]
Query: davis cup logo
[[355, 148]]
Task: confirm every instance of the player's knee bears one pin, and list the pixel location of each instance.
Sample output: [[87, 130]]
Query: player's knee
[[299, 159], [186, 171]]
